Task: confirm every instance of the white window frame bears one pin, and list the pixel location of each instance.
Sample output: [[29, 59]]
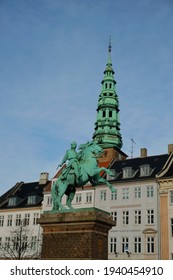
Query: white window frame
[[103, 195], [137, 245], [88, 197], [150, 245], [1, 220], [150, 191], [114, 195], [125, 193], [125, 216], [171, 196], [137, 192], [138, 218], [125, 244], [150, 216], [9, 220], [78, 198], [113, 245], [35, 218]]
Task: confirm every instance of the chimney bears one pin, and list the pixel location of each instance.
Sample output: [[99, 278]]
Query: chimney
[[44, 176], [170, 148], [143, 152]]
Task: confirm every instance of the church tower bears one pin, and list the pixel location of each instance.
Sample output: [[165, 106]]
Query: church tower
[[107, 126]]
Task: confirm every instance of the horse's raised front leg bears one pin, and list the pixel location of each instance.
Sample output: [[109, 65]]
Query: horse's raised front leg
[[104, 181]]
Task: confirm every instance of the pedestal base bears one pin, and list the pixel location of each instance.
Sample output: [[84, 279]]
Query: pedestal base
[[79, 234]]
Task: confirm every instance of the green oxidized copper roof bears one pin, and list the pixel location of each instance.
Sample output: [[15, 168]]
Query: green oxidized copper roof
[[107, 125]]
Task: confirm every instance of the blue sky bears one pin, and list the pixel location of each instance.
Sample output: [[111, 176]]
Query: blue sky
[[52, 57]]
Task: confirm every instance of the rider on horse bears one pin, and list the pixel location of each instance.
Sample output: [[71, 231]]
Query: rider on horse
[[73, 165]]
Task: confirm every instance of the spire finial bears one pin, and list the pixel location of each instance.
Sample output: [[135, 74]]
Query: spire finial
[[110, 46]]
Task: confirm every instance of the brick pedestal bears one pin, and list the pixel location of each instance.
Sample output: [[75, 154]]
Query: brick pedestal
[[80, 234]]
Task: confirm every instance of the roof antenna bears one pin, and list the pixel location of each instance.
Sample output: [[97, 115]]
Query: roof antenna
[[132, 147]]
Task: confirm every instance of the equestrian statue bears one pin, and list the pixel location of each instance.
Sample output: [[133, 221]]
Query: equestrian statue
[[78, 168]]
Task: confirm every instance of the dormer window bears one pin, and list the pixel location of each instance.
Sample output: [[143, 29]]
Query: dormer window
[[31, 199], [127, 172], [12, 201], [145, 170], [114, 173]]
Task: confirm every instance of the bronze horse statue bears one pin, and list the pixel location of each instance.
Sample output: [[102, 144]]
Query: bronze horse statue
[[89, 171]]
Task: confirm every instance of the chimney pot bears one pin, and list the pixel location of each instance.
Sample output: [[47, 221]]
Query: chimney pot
[[44, 176], [170, 148], [143, 152]]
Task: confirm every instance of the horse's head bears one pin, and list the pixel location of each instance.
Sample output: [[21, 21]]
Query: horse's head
[[86, 150], [95, 148]]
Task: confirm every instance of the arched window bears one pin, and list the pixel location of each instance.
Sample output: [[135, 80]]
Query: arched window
[[110, 114], [104, 114]]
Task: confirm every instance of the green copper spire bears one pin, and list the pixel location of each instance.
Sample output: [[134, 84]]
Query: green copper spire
[[107, 125]]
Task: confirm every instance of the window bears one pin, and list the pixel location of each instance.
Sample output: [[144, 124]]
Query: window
[[137, 217], [110, 114], [7, 242], [145, 170], [171, 197], [12, 201], [150, 216], [34, 243], [78, 198], [150, 245], [103, 195], [24, 242], [9, 220], [125, 244], [113, 245], [114, 195], [26, 219], [106, 85], [18, 219], [49, 200], [0, 242], [137, 192], [111, 176], [150, 191], [1, 221], [16, 243], [125, 217], [88, 197], [31, 199], [172, 227], [114, 216], [125, 193], [137, 245], [104, 114], [127, 172], [35, 218]]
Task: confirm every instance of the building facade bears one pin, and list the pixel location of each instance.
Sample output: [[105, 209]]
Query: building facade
[[20, 209]]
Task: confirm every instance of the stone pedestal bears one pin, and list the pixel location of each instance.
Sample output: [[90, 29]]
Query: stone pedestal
[[79, 234]]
